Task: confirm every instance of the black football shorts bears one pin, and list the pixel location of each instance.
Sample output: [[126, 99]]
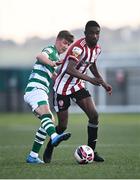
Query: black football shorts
[[62, 103]]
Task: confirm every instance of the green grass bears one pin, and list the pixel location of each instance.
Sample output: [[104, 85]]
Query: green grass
[[119, 144]]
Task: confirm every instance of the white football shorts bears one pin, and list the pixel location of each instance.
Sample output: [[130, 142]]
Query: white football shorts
[[35, 98]]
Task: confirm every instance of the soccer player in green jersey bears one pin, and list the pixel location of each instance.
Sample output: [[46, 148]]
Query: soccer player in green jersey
[[36, 93]]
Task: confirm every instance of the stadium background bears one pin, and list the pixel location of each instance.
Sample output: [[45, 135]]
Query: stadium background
[[119, 63]]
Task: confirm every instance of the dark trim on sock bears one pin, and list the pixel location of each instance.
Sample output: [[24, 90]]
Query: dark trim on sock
[[45, 115]]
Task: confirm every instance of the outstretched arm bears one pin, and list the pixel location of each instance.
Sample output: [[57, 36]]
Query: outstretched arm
[[71, 70], [95, 72], [43, 58]]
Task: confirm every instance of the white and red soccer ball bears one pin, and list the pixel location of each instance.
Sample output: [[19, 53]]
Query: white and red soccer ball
[[84, 154]]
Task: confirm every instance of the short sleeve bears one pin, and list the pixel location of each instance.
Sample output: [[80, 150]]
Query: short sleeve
[[76, 51]]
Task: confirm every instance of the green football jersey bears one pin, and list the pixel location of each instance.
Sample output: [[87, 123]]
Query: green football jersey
[[41, 74]]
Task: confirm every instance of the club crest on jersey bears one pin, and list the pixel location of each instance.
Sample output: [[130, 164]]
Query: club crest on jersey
[[61, 103], [76, 51]]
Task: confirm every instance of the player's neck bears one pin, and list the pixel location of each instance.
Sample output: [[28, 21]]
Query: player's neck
[[91, 46]]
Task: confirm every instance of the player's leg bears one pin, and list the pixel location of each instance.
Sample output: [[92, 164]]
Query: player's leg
[[38, 100], [48, 125], [40, 134], [84, 100], [61, 105]]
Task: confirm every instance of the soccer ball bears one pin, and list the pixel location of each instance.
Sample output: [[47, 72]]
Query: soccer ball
[[84, 154]]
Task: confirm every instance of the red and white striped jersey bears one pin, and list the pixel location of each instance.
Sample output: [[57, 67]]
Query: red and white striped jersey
[[66, 84]]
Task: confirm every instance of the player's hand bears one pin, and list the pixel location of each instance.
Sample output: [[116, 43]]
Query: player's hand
[[59, 62], [56, 63], [108, 88]]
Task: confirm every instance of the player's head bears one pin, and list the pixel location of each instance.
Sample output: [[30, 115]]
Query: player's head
[[92, 31], [63, 40]]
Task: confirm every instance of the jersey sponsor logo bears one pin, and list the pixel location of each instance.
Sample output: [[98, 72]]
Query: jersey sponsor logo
[[76, 51]]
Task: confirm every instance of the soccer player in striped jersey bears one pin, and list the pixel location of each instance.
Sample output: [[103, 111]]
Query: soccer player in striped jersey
[[36, 93], [70, 84]]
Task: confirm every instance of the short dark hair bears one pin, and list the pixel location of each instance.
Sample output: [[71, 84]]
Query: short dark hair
[[90, 24], [66, 35]]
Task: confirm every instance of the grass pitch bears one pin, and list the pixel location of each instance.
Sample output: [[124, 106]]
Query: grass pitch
[[119, 144]]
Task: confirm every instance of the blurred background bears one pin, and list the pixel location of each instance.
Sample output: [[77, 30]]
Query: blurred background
[[26, 27]]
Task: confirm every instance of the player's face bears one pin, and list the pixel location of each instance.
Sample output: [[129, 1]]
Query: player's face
[[92, 35], [63, 45]]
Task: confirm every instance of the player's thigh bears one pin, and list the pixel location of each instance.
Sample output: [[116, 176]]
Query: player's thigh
[[84, 100], [87, 105]]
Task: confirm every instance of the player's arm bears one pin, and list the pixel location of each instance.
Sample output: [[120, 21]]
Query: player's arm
[[94, 70], [71, 70], [44, 58]]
